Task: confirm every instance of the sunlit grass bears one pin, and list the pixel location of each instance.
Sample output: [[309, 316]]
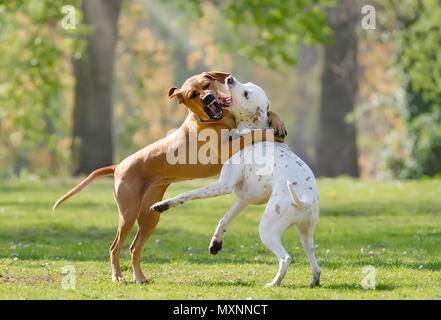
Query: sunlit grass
[[393, 226]]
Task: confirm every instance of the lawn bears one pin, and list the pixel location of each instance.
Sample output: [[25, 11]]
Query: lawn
[[395, 227]]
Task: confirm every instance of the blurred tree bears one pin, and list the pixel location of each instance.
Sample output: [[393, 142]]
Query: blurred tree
[[336, 148], [35, 81], [92, 118]]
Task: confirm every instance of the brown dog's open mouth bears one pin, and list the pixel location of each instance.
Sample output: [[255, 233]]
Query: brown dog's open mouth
[[214, 109]]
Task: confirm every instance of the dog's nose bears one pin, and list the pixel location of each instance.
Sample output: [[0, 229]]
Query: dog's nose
[[208, 98], [230, 80]]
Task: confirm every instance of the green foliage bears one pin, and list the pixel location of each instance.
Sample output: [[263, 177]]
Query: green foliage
[[421, 55], [35, 57], [424, 133], [269, 31], [420, 61]]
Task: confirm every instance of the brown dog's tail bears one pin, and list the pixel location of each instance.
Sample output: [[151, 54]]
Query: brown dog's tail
[[102, 172]]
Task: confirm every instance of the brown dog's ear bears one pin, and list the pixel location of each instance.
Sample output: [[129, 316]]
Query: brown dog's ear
[[172, 92], [217, 75], [175, 92]]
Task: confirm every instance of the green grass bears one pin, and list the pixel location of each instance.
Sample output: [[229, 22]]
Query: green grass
[[397, 223]]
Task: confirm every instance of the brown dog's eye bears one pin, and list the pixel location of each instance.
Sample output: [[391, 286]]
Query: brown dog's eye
[[193, 95], [207, 86]]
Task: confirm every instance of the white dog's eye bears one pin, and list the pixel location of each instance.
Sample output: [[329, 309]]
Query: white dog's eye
[[246, 93]]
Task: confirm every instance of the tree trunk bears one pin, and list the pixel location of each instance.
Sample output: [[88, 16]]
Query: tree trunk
[[92, 128], [306, 62], [336, 149]]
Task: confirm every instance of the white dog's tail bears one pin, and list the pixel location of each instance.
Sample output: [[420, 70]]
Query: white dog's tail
[[301, 203]]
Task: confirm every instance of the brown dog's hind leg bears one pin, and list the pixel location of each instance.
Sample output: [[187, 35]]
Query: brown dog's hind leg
[[124, 228], [128, 198], [147, 221]]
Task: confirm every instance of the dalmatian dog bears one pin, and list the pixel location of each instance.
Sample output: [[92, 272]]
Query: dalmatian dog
[[289, 188]]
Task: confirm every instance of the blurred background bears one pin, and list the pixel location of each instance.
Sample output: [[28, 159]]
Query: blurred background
[[84, 84]]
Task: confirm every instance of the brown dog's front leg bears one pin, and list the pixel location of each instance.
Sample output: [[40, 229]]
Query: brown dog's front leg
[[277, 124]]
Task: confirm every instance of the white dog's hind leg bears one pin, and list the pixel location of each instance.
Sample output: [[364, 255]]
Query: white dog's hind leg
[[218, 236], [305, 233], [271, 229]]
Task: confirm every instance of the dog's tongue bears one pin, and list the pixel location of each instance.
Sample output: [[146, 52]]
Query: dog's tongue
[[225, 102], [216, 111]]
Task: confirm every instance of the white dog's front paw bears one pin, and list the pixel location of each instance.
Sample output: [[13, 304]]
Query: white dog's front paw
[[215, 246], [161, 206]]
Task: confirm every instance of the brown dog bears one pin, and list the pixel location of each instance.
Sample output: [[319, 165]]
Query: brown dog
[[142, 178]]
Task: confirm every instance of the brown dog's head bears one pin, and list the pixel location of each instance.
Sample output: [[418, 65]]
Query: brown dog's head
[[201, 95]]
